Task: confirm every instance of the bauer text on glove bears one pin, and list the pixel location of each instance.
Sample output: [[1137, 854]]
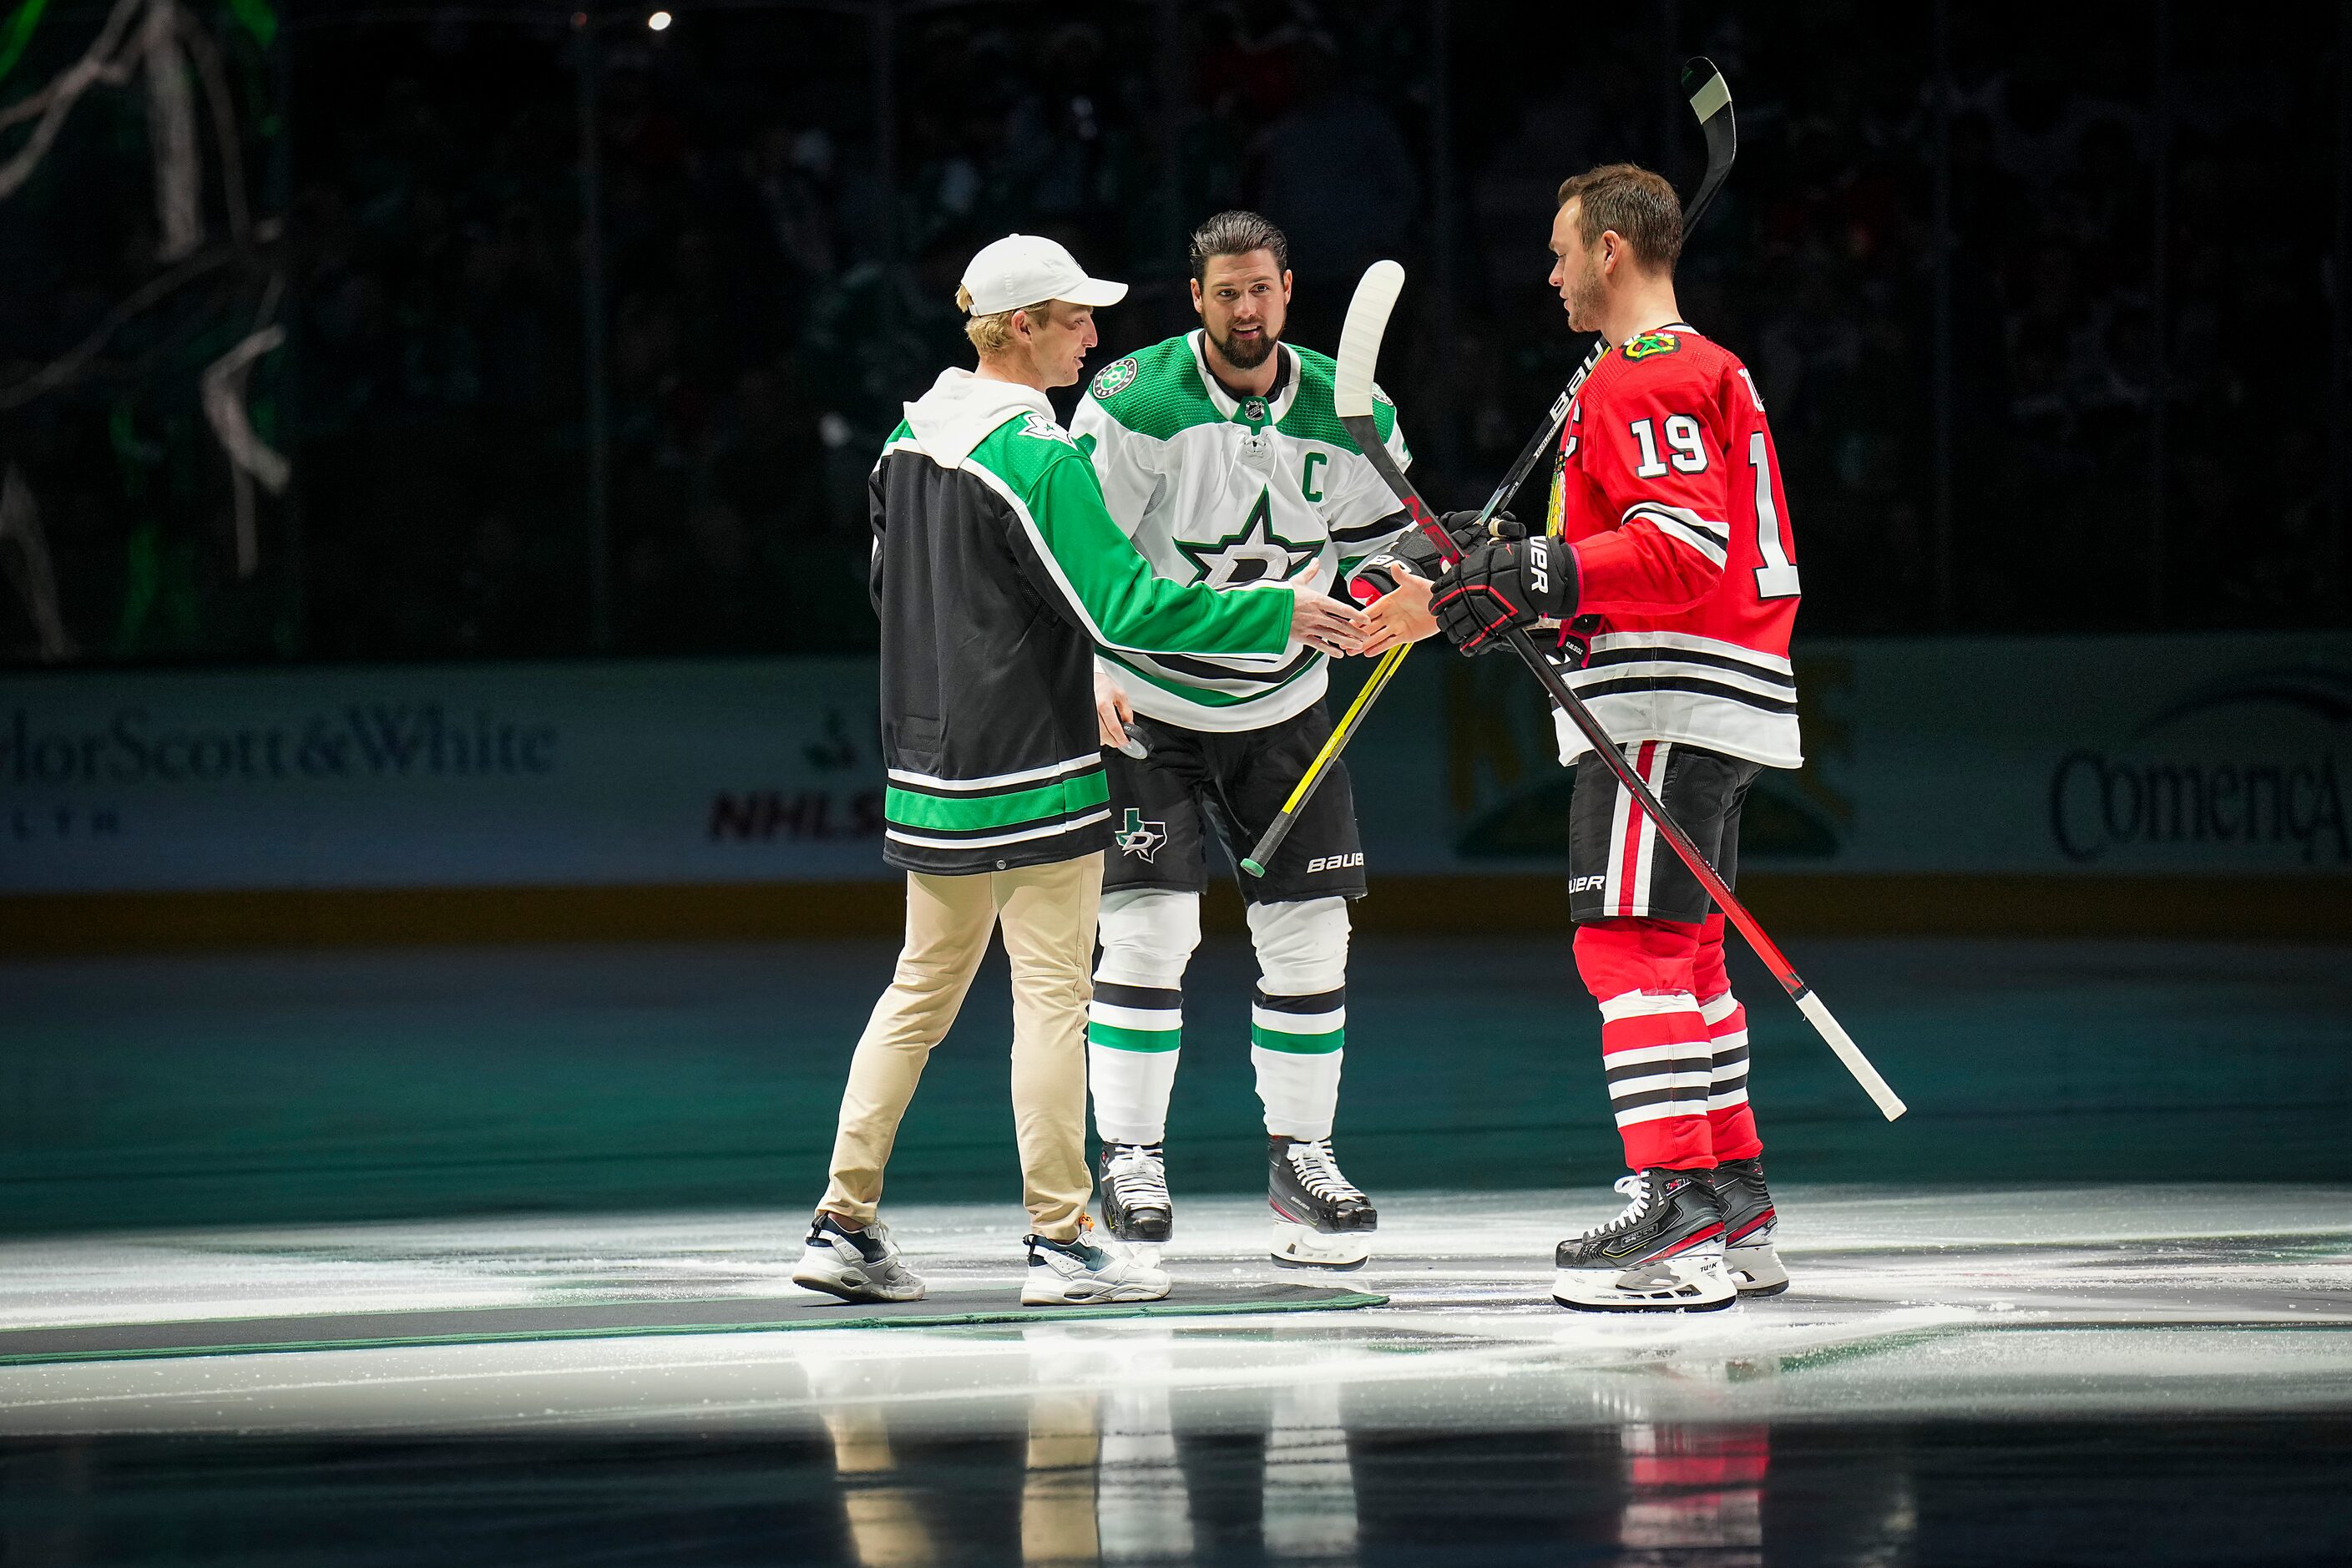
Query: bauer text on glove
[[1505, 583]]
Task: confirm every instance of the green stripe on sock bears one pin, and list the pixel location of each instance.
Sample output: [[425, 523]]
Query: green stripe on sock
[[1297, 1045], [1119, 1039]]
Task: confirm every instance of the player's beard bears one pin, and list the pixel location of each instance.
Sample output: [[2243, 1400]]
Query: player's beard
[[1587, 295], [1247, 354]]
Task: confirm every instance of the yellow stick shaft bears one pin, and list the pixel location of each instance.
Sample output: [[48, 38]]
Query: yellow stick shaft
[[1339, 734]]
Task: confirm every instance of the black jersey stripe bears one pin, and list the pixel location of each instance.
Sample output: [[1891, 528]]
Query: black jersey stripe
[[1208, 669], [1654, 655], [1719, 533], [1641, 684], [1380, 527]]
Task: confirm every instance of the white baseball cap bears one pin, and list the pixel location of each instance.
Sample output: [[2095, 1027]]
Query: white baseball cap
[[1028, 269]]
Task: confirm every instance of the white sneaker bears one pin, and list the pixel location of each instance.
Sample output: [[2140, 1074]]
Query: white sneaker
[[855, 1265], [1079, 1272]]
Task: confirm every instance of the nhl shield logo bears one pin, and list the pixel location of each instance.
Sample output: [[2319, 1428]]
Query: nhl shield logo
[[1139, 838]]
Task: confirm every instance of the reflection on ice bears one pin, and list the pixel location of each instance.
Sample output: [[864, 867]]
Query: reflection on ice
[[1138, 1472]]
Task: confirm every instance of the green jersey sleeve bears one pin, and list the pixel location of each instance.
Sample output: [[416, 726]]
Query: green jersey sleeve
[[1087, 562]]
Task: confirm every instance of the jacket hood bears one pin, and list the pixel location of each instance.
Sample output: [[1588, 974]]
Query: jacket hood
[[962, 410]]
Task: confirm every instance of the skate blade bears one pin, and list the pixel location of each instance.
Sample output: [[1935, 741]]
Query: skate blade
[[1756, 1270], [1142, 1253], [1674, 1286], [1297, 1245]]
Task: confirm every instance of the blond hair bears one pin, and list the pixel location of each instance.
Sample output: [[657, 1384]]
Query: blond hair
[[993, 334]]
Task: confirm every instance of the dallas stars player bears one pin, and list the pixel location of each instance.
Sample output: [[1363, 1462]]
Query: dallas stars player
[[1222, 459]]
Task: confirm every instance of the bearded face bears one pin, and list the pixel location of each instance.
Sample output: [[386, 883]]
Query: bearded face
[[1583, 293], [1243, 301], [1246, 349]]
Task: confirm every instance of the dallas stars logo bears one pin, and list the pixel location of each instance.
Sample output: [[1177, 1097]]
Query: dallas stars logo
[[1255, 555], [1139, 838]]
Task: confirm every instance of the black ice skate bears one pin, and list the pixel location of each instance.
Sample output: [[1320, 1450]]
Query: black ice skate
[[1749, 1224], [1136, 1205], [1320, 1219], [1663, 1254]]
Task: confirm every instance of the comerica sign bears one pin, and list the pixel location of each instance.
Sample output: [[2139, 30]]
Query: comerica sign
[[2099, 803]]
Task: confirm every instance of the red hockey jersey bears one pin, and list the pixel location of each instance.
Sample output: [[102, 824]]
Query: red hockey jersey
[[1668, 485]]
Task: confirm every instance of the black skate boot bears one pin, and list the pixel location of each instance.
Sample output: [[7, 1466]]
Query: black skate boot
[[1663, 1254], [1320, 1219], [1136, 1205], [1748, 1224]]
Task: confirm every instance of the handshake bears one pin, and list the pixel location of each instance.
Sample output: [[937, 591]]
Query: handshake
[[1503, 580]]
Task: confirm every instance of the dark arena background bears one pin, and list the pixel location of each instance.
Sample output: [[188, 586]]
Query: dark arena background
[[441, 799]]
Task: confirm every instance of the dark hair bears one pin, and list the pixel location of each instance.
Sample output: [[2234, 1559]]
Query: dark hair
[[1236, 233], [1636, 201]]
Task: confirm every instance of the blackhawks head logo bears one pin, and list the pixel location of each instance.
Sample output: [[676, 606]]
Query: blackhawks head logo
[[1644, 344], [1115, 378]]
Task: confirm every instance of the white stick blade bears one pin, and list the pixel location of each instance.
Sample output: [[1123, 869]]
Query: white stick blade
[[1359, 340], [1889, 1105]]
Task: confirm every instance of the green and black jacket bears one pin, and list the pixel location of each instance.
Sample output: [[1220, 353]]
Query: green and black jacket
[[997, 569]]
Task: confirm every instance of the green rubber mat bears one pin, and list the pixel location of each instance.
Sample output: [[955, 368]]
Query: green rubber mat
[[627, 1320]]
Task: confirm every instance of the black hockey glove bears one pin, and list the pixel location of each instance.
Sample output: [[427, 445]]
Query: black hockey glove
[[1463, 527], [1504, 584], [1414, 551]]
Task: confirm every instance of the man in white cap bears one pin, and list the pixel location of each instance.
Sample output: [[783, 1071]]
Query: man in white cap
[[997, 571]]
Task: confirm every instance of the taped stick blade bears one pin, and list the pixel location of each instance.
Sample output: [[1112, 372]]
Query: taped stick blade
[[1359, 340], [1703, 85]]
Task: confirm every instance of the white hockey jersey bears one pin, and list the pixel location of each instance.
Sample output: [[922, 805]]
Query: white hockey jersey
[[1233, 491]]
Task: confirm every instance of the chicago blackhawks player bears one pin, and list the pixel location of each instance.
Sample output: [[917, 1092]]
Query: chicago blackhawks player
[[1667, 567], [1221, 457]]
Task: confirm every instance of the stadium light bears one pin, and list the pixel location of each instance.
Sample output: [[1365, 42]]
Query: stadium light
[[659, 21]]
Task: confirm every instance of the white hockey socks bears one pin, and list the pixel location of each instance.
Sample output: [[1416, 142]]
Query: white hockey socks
[[1298, 1024], [1135, 1027]]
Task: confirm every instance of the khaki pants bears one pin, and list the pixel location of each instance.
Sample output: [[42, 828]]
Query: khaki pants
[[1048, 914]]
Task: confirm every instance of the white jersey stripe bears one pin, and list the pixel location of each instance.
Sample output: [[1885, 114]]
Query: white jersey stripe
[[1023, 837], [1027, 775]]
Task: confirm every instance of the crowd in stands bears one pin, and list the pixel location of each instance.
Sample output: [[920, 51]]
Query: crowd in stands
[[2125, 452]]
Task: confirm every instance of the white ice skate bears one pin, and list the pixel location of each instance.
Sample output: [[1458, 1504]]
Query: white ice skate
[[1077, 1271], [855, 1265]]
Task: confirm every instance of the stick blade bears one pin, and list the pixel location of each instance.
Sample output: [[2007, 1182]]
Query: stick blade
[[1359, 340], [1703, 85]]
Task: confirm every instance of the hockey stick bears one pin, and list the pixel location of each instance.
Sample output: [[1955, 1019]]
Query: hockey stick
[[1710, 100], [1359, 347]]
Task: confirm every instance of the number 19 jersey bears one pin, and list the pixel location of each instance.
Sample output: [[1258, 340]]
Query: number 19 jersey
[[1669, 489]]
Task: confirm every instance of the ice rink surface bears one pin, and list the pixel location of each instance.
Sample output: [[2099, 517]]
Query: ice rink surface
[[2162, 1357], [2045, 1303], [2091, 1302]]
